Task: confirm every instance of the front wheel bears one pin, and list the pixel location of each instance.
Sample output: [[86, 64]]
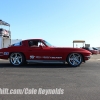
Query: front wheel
[[74, 59], [17, 59]]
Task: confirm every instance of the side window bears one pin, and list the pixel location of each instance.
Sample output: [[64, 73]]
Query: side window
[[41, 44], [17, 44], [35, 43]]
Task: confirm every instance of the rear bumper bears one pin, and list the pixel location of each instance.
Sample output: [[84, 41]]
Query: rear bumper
[[3, 57]]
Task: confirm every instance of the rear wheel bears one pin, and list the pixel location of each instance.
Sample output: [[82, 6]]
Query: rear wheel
[[74, 59], [17, 59]]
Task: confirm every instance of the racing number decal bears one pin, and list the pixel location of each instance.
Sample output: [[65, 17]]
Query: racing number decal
[[6, 53]]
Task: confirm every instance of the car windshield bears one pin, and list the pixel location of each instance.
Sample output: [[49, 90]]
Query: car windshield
[[90, 48], [95, 48], [48, 44]]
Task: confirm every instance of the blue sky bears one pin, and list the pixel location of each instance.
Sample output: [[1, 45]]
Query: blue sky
[[57, 21]]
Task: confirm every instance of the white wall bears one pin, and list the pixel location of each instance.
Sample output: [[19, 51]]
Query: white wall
[[6, 42], [0, 42]]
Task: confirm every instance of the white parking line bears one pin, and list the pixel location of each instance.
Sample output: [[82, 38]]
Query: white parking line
[[98, 59]]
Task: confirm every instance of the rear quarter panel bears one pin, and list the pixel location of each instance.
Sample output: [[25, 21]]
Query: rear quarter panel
[[5, 52]]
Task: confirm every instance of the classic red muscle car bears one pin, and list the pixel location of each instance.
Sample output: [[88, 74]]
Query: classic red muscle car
[[40, 51]]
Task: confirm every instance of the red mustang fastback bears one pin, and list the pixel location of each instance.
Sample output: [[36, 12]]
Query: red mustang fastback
[[40, 51]]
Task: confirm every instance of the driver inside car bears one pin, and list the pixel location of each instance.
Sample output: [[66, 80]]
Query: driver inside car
[[35, 44]]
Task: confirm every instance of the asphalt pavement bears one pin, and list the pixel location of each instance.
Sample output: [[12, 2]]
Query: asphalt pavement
[[77, 83]]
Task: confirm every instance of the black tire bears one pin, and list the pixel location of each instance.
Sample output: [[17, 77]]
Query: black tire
[[21, 58], [76, 62]]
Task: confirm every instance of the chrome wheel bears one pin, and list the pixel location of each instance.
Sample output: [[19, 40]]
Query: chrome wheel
[[16, 58], [75, 59]]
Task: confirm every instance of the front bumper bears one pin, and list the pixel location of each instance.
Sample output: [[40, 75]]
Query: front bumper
[[87, 57]]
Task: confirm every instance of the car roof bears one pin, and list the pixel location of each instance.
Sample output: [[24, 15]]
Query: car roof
[[32, 39]]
